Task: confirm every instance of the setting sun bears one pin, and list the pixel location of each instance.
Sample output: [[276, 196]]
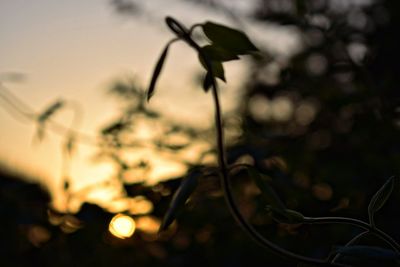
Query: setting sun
[[122, 226]]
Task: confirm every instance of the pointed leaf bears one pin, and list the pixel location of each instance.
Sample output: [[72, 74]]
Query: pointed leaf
[[217, 53], [186, 188], [207, 83], [229, 39], [156, 72], [114, 128], [379, 199], [267, 191], [217, 68], [49, 111]]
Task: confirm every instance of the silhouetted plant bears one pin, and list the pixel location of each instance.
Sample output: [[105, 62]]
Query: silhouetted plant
[[228, 44]]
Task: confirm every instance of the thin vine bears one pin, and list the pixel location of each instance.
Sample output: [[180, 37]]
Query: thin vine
[[213, 66]]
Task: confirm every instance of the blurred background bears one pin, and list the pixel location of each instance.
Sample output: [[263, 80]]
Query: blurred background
[[88, 167]]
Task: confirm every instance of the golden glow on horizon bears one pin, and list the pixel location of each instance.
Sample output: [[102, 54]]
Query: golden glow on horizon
[[122, 226]]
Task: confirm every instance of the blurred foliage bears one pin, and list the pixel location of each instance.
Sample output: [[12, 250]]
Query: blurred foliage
[[35, 235], [324, 125], [331, 112], [145, 131]]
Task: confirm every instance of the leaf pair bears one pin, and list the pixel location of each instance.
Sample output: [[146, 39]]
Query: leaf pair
[[215, 56], [226, 44]]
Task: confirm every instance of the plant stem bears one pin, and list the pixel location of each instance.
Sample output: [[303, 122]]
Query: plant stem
[[181, 32], [226, 186], [185, 35], [360, 224], [351, 242]]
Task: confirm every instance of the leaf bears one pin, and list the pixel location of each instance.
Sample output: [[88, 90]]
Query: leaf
[[229, 39], [66, 185], [286, 215], [379, 199], [173, 147], [186, 188], [207, 82], [156, 72], [267, 191], [51, 110], [43, 117], [217, 53], [114, 128], [70, 144], [368, 253], [40, 132], [217, 68]]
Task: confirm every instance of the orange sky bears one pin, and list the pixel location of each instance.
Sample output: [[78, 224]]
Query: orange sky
[[73, 50]]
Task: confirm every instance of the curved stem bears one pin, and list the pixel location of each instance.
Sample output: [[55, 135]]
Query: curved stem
[[180, 31], [226, 186], [184, 34], [351, 242], [360, 224], [194, 26]]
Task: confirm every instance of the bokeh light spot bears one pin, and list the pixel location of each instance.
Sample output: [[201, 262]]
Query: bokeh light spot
[[260, 108], [316, 64], [148, 224], [282, 108], [305, 113], [322, 191], [122, 226]]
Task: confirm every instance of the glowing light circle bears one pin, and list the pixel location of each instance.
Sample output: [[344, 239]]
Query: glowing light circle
[[122, 226]]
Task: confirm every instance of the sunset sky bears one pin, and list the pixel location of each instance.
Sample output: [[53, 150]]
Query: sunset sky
[[73, 50]]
